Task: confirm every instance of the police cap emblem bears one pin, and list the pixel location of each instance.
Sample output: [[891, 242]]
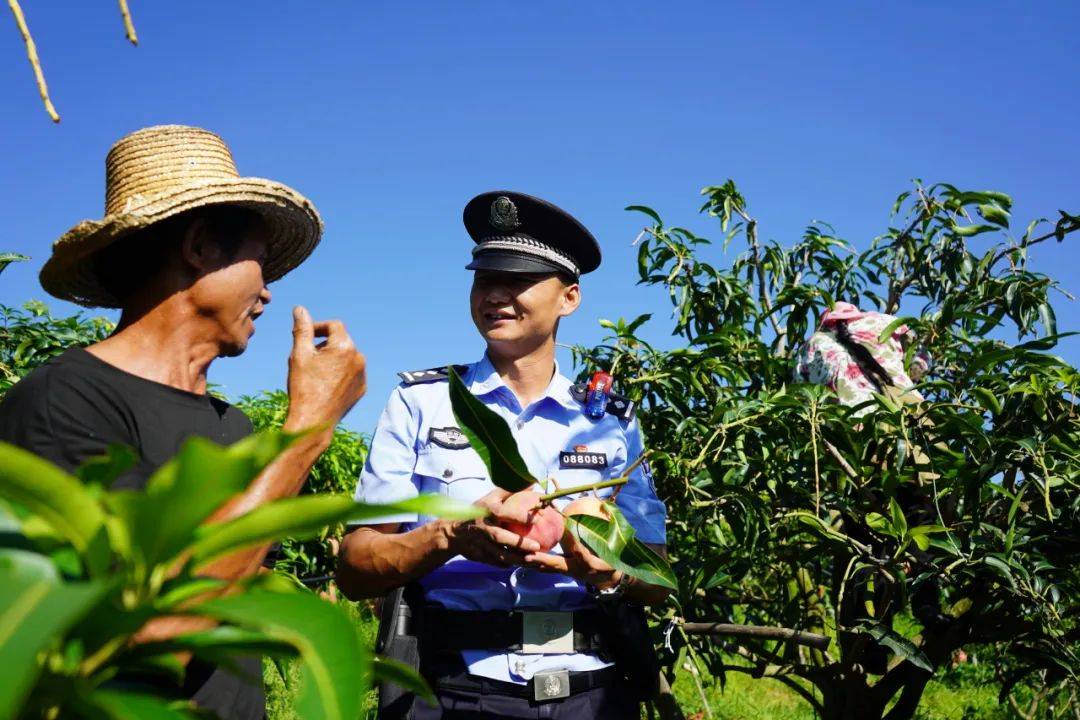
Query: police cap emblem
[[504, 215]]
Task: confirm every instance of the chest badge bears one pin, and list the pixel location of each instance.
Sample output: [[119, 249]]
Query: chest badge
[[582, 459], [450, 438]]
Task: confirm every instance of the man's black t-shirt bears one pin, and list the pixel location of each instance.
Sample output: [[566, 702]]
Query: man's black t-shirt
[[75, 406]]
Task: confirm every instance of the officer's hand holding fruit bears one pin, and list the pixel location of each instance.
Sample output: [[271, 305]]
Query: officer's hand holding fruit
[[493, 540]]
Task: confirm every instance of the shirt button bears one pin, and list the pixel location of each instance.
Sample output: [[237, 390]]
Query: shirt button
[[447, 473], [519, 667], [520, 424]]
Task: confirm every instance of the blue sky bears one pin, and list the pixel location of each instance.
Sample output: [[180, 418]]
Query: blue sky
[[390, 116]]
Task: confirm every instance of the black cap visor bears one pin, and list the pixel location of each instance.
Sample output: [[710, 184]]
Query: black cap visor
[[501, 261]]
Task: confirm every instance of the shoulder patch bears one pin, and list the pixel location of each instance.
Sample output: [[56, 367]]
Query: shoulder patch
[[415, 377], [618, 405]]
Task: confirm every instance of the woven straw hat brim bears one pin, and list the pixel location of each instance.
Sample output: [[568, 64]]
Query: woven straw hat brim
[[293, 228]]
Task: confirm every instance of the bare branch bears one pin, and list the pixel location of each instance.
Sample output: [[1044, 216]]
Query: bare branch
[[840, 459], [799, 637], [35, 63], [129, 27]]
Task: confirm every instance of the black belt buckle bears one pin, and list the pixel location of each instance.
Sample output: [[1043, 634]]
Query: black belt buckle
[[553, 685]]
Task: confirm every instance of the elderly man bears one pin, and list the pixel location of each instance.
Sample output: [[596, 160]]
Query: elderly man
[[185, 250]]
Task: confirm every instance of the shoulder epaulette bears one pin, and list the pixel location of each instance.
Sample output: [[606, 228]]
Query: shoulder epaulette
[[618, 405], [415, 377]]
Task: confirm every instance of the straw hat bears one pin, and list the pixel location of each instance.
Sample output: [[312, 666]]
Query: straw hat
[[158, 172]]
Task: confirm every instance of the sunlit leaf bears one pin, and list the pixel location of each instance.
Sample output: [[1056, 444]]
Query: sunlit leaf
[[630, 555], [490, 437]]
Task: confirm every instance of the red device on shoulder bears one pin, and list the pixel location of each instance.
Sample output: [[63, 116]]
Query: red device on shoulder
[[596, 395]]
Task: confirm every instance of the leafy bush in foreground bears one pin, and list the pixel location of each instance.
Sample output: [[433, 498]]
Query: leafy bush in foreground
[[83, 568]]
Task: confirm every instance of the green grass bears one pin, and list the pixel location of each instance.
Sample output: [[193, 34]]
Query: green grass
[[962, 694], [747, 698]]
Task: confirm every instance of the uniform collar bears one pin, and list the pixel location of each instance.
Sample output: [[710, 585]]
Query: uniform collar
[[485, 379]]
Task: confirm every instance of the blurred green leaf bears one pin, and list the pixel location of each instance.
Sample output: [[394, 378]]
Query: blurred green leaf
[[35, 609], [58, 499], [390, 670], [333, 661], [120, 705], [184, 492], [490, 438], [306, 516]]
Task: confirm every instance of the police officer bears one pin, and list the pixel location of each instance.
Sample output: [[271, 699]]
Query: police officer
[[502, 629]]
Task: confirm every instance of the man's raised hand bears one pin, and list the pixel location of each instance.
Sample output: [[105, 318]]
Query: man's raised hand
[[325, 380]]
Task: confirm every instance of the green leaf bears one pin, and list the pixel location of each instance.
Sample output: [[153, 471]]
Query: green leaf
[[1048, 318], [213, 643], [36, 609], [889, 329], [333, 660], [879, 523], [121, 705], [390, 670], [103, 470], [188, 489], [58, 499], [987, 399], [994, 214], [899, 645], [960, 607], [920, 534], [1044, 343], [432, 504], [8, 257], [647, 210], [180, 590], [971, 230], [899, 522], [633, 557], [490, 437], [306, 516]]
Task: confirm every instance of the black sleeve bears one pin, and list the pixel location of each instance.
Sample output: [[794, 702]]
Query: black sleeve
[[57, 418]]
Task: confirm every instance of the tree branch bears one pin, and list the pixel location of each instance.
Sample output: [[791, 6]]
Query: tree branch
[[35, 63], [129, 27], [799, 637], [667, 707]]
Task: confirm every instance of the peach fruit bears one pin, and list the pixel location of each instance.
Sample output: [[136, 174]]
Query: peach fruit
[[545, 524]]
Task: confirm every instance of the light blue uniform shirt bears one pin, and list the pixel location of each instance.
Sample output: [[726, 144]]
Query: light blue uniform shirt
[[406, 459]]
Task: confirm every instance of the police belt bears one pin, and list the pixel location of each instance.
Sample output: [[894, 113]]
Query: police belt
[[579, 682], [444, 630]]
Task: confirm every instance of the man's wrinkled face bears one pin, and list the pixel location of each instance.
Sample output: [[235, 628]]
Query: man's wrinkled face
[[520, 308], [232, 292]]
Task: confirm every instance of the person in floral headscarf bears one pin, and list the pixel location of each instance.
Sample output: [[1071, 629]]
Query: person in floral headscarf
[[848, 356]]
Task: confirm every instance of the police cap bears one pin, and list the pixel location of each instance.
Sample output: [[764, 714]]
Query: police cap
[[515, 232]]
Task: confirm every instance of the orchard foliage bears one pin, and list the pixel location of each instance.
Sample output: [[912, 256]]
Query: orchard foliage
[[31, 335], [905, 534]]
